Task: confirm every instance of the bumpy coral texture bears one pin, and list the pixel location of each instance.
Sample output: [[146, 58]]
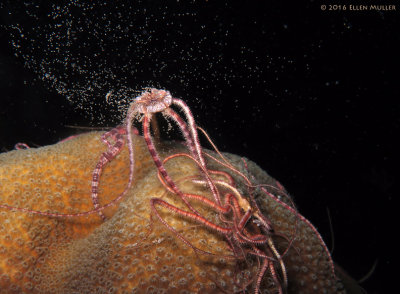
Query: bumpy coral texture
[[132, 251]]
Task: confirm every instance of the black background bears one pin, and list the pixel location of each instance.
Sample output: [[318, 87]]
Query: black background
[[323, 121]]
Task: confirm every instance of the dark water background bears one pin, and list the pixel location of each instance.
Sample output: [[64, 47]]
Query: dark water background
[[312, 96]]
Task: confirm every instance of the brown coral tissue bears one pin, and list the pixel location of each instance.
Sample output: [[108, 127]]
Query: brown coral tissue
[[133, 214]]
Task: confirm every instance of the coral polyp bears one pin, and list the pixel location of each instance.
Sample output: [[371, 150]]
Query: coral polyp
[[166, 217]]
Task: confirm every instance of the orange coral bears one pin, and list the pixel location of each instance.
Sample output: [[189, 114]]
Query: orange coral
[[128, 253]]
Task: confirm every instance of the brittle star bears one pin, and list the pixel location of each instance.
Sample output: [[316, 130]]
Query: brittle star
[[235, 231]]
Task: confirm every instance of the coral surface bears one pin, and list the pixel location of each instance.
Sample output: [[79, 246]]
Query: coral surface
[[132, 251]]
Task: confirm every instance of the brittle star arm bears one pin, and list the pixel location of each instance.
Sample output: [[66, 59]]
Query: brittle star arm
[[192, 127], [158, 201], [118, 135], [193, 148], [160, 166]]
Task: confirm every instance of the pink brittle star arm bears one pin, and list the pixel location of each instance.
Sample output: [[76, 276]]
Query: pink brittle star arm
[[21, 146], [195, 138], [195, 217], [160, 165], [192, 128], [268, 263], [117, 134], [138, 106], [193, 146], [176, 210]]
